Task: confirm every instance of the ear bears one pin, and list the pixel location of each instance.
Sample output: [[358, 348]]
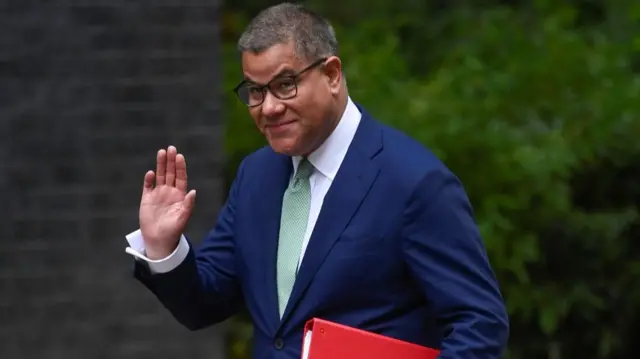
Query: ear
[[333, 72]]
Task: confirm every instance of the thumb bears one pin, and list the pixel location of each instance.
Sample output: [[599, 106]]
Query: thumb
[[189, 201]]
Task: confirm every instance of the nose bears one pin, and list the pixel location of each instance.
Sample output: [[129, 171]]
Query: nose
[[271, 106]]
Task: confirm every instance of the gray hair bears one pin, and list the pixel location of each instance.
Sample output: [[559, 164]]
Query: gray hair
[[312, 35]]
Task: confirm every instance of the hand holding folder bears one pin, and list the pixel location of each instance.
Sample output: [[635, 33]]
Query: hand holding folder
[[327, 340]]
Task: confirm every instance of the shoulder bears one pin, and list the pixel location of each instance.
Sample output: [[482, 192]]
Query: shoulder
[[260, 157], [409, 165], [261, 162], [407, 156]]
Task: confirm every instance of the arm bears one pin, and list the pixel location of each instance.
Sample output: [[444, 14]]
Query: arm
[[202, 289], [443, 248]]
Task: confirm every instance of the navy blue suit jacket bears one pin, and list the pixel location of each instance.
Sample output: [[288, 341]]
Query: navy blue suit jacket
[[395, 251]]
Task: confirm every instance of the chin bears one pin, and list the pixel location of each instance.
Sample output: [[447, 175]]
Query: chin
[[285, 146]]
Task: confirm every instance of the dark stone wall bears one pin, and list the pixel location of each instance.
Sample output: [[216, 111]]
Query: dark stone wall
[[89, 91]]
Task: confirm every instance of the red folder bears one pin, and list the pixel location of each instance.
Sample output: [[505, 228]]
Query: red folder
[[328, 340]]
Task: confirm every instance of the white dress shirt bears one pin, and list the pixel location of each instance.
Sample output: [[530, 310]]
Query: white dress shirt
[[326, 161]]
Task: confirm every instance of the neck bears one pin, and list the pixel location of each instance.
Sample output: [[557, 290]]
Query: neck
[[341, 107], [336, 114]]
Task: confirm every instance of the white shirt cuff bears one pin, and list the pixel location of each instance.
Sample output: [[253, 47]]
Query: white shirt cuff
[[136, 249]]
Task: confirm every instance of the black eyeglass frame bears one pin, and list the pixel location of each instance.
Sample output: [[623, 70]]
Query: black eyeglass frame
[[266, 87]]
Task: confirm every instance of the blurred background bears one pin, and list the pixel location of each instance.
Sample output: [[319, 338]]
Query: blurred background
[[534, 104]]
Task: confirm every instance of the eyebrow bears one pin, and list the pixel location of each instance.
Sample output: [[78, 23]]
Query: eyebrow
[[284, 72]]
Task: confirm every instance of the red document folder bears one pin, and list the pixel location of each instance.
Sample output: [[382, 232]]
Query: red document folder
[[329, 340]]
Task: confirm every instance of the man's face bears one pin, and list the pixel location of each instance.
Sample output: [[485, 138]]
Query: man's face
[[298, 125]]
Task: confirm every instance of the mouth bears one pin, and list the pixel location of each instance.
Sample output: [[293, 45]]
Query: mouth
[[279, 124], [279, 127]]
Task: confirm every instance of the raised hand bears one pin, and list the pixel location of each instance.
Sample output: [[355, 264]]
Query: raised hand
[[166, 207]]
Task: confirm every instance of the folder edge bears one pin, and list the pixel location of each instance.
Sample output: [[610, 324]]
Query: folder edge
[[311, 324]]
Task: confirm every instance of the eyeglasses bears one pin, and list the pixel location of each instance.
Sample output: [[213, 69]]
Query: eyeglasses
[[282, 87]]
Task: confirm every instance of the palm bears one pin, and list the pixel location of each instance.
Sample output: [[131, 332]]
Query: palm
[[165, 208], [162, 211]]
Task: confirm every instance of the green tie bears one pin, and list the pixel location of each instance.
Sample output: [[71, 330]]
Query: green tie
[[293, 225]]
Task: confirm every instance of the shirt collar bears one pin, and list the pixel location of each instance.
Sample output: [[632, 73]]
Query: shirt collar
[[328, 157]]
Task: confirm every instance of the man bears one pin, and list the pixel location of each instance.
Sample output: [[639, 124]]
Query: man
[[340, 217]]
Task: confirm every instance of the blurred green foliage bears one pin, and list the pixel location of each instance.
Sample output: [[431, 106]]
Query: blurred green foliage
[[536, 107]]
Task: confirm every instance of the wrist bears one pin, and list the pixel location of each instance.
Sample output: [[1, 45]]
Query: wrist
[[159, 252]]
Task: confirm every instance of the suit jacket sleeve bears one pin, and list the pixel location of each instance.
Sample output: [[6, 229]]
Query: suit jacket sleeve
[[443, 248], [204, 289]]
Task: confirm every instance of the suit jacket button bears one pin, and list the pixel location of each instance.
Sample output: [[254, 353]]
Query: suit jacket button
[[278, 343]]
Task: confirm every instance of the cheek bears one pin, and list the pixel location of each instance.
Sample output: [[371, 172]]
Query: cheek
[[255, 115], [309, 109]]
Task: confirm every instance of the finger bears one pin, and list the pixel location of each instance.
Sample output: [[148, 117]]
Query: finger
[[148, 182], [161, 167], [188, 203], [181, 173], [171, 166]]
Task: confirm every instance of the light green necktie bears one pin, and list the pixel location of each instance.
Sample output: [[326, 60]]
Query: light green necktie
[[293, 225]]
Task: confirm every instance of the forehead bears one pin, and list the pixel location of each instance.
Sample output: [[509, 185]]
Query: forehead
[[262, 67]]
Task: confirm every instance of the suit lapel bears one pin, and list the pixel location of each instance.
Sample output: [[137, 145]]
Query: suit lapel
[[349, 188], [269, 203]]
